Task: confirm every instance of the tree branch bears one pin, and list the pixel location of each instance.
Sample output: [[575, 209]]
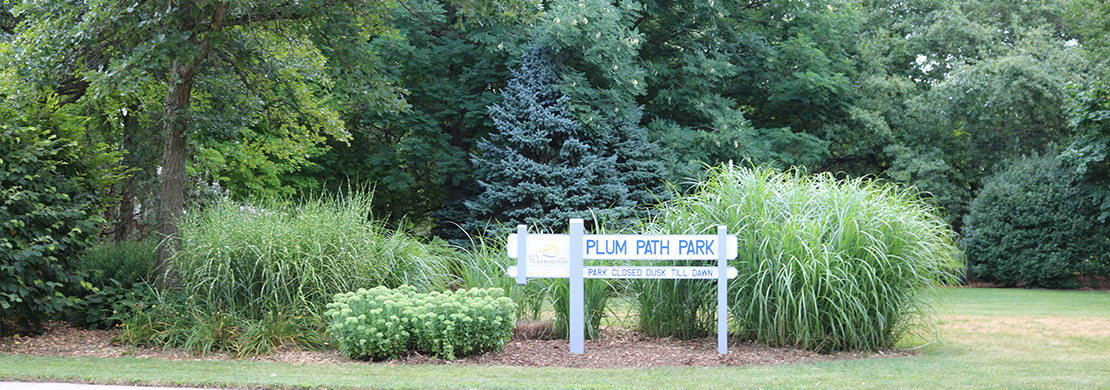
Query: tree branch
[[243, 77], [74, 87], [269, 17], [756, 4]]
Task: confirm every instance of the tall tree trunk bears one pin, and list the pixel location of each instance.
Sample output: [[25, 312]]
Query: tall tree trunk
[[182, 74], [173, 178]]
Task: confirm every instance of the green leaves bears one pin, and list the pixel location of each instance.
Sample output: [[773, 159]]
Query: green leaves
[[381, 323], [1089, 116], [48, 216], [599, 38], [1033, 225], [210, 71]]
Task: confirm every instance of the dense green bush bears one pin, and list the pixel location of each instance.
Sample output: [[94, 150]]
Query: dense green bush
[[117, 273], [381, 323], [824, 264], [260, 256], [49, 213], [108, 304], [1032, 225], [128, 262]]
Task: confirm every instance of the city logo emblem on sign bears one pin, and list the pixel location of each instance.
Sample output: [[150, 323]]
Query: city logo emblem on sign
[[548, 256]]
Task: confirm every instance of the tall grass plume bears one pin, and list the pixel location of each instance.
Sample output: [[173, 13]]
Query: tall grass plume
[[273, 256], [825, 264]]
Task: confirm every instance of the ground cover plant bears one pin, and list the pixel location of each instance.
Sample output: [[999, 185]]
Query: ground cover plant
[[382, 323], [825, 264]]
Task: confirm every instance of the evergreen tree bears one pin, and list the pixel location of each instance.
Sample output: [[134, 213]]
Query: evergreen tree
[[638, 162], [539, 167]]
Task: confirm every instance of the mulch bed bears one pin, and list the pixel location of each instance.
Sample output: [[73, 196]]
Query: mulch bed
[[617, 347]]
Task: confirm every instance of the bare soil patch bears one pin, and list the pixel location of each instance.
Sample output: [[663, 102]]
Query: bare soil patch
[[1030, 326], [617, 347]]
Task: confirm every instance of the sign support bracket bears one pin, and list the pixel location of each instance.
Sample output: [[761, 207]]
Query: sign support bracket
[[521, 254], [577, 288], [722, 291]]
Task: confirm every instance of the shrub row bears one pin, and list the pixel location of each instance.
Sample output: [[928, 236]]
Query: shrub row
[[381, 323]]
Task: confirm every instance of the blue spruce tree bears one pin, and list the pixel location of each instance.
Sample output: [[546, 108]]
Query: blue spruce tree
[[539, 167], [638, 161]]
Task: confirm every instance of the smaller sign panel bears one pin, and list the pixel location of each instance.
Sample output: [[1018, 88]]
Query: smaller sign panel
[[548, 255], [636, 272]]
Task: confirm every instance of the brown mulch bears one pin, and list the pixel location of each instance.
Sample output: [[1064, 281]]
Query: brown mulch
[[617, 347]]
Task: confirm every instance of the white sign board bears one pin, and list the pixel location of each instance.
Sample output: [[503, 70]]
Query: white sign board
[[625, 247]]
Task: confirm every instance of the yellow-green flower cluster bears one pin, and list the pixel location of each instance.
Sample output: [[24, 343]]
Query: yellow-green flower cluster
[[381, 323]]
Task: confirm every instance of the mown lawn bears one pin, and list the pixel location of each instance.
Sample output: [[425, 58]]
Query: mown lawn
[[986, 338]]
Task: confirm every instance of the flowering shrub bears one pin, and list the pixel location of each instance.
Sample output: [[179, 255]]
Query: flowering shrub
[[381, 323]]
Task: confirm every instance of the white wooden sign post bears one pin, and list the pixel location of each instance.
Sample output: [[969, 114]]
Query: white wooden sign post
[[562, 255]]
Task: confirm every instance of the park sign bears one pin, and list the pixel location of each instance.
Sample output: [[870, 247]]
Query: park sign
[[547, 254], [562, 255]]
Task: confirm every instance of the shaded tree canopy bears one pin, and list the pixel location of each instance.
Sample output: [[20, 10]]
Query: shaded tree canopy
[[291, 98], [228, 70]]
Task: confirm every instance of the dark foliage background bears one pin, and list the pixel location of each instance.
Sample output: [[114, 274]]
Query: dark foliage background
[[1032, 224]]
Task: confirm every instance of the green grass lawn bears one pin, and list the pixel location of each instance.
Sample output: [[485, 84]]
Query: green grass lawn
[[985, 338]]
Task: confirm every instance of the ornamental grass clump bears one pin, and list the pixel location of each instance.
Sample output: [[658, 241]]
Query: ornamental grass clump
[[824, 264], [251, 258], [382, 323]]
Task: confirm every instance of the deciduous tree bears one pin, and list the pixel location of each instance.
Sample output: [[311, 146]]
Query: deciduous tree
[[220, 65]]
